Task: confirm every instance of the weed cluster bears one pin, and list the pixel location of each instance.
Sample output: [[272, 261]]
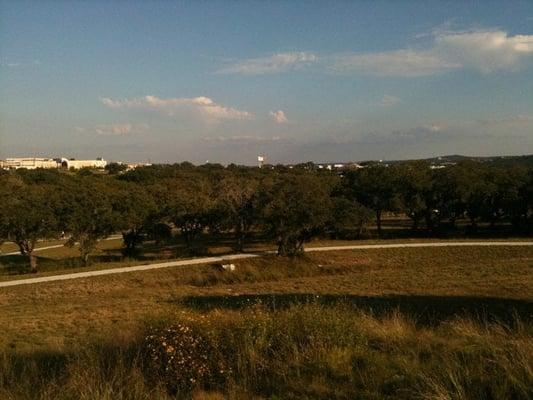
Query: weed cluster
[[182, 357], [305, 351]]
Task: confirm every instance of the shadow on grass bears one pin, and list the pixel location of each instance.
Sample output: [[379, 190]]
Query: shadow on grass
[[32, 369], [18, 264], [14, 264], [424, 310]]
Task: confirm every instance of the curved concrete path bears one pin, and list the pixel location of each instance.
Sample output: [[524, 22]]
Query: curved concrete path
[[208, 260]]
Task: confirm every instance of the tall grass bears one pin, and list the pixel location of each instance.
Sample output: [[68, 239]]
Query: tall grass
[[306, 351]]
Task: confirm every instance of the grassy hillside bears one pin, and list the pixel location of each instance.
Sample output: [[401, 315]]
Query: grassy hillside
[[397, 323]]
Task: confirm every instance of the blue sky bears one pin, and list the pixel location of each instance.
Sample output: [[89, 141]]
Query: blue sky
[[227, 80]]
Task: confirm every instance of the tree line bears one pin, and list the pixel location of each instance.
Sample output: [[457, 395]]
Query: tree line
[[289, 206]]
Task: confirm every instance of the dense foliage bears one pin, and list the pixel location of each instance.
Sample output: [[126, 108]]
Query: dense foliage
[[289, 206]]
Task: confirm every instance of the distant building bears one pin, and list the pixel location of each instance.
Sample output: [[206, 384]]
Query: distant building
[[78, 164], [130, 166], [29, 163], [330, 167], [39, 162]]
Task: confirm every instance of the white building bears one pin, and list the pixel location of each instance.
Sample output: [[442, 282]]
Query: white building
[[29, 163], [36, 162], [131, 166], [78, 164]]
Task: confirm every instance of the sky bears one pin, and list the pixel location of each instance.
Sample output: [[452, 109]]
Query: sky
[[226, 81]]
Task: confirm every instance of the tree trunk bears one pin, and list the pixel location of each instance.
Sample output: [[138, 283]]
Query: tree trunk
[[239, 247], [281, 247], [493, 222], [416, 221], [240, 237], [452, 221], [429, 220], [85, 259], [300, 246], [22, 248], [378, 221], [33, 262], [360, 229]]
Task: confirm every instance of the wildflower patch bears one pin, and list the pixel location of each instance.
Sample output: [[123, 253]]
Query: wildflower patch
[[182, 356]]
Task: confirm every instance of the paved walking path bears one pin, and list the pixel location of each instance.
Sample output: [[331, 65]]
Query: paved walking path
[[209, 260]]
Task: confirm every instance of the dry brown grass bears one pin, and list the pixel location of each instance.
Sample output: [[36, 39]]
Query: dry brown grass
[[424, 323], [309, 351], [59, 314]]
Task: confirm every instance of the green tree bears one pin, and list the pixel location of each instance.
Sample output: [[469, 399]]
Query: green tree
[[448, 200], [115, 168], [190, 208], [415, 180], [89, 214], [462, 190], [296, 208], [237, 200], [376, 187], [346, 215], [136, 209], [27, 215], [527, 196]]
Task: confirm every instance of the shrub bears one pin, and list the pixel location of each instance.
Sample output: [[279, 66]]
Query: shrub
[[182, 357]]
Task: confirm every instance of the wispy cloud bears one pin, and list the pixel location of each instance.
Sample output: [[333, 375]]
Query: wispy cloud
[[387, 100], [484, 50], [402, 63], [121, 129], [520, 120], [275, 63], [278, 116], [243, 139], [17, 64], [419, 133], [9, 64], [203, 106]]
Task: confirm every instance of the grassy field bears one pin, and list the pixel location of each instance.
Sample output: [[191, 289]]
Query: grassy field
[[445, 323], [108, 253]]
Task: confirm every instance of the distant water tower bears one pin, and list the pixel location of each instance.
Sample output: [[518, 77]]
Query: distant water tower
[[261, 160]]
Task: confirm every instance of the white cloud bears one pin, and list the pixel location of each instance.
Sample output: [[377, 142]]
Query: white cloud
[[243, 139], [272, 64], [433, 127], [9, 64], [204, 106], [16, 64], [120, 129], [278, 116], [402, 63], [514, 121], [481, 50], [484, 50], [389, 100]]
